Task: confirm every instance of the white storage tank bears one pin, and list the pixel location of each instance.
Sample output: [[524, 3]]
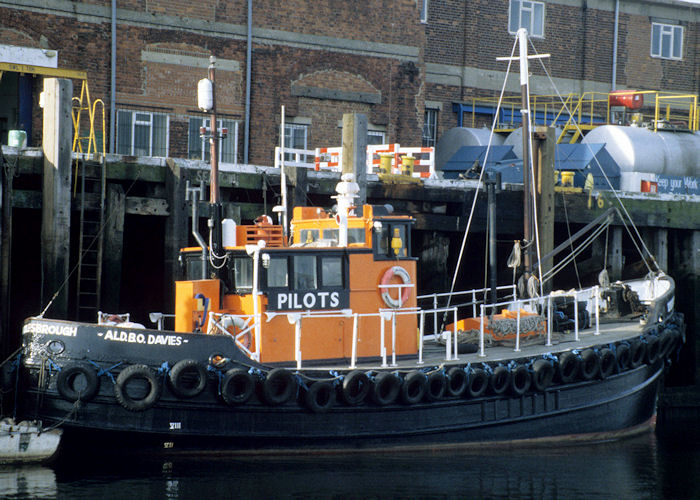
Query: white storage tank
[[641, 150], [456, 137]]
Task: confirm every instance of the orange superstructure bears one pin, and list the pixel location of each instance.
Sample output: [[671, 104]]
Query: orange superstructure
[[309, 298]]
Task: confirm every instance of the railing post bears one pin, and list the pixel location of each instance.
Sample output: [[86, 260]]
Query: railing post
[[482, 353], [393, 338], [517, 328], [382, 348], [353, 359], [474, 304], [455, 347], [549, 321], [597, 310], [420, 336], [435, 318]]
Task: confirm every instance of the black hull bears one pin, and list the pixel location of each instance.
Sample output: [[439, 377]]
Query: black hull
[[597, 408], [621, 402]]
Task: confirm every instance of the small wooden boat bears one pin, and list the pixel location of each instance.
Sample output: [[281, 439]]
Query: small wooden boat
[[27, 442]]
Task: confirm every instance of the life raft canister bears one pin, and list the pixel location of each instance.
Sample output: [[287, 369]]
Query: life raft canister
[[403, 275]]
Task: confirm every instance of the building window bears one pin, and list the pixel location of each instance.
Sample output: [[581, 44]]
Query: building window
[[295, 137], [141, 133], [198, 147], [430, 128], [528, 15], [375, 137], [666, 41], [423, 6]]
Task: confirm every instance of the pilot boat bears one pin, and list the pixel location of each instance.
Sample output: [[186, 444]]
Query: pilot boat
[[318, 339]]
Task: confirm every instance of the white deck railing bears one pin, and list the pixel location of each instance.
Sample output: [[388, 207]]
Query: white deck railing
[[245, 324]]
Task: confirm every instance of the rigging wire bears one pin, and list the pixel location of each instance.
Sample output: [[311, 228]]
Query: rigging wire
[[614, 191], [479, 183]]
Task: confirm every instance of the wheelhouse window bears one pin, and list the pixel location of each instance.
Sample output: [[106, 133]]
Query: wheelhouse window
[[141, 133], [305, 277], [332, 271], [666, 41], [243, 274], [528, 15], [277, 272], [391, 241], [198, 147]]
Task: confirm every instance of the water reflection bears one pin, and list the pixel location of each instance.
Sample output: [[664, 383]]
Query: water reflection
[[27, 482], [649, 466]]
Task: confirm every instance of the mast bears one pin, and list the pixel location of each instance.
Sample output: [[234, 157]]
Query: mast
[[215, 209], [525, 116]]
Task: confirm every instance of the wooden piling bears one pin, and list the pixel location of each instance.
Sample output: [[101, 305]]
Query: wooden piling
[[354, 151], [56, 205]]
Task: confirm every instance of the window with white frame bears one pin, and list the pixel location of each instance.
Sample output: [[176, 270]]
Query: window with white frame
[[423, 6], [375, 137], [198, 147], [666, 41], [430, 127], [295, 137], [142, 133], [528, 15]]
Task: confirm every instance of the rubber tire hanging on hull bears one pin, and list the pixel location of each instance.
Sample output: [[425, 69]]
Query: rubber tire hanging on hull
[[181, 375], [520, 380], [414, 387], [320, 396], [356, 386], [623, 353], [457, 381], [478, 383], [437, 384], [608, 362], [652, 354], [638, 353], [590, 364], [542, 374], [67, 378], [278, 387], [237, 386], [499, 380], [136, 372], [385, 388], [568, 367]]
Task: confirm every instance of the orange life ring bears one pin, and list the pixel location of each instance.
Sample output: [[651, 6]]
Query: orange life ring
[[403, 275]]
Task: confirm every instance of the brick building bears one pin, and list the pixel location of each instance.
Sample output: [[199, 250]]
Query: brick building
[[407, 64]]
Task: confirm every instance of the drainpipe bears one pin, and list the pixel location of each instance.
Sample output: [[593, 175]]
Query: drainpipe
[[614, 54], [113, 79], [249, 58]]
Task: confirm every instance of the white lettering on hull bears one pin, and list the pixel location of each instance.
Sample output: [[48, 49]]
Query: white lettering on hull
[[49, 329]]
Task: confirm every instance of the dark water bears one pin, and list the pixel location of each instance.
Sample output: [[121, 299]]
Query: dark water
[[661, 465]]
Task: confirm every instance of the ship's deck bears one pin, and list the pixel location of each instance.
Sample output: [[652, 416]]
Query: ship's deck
[[434, 353]]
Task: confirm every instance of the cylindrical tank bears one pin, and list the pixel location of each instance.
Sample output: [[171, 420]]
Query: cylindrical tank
[[515, 139], [641, 150], [456, 137], [228, 232]]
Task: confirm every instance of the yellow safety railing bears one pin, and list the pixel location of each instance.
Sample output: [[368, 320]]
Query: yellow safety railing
[[81, 105], [575, 113]]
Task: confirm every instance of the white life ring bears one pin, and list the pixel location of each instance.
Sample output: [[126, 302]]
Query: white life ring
[[402, 274]]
